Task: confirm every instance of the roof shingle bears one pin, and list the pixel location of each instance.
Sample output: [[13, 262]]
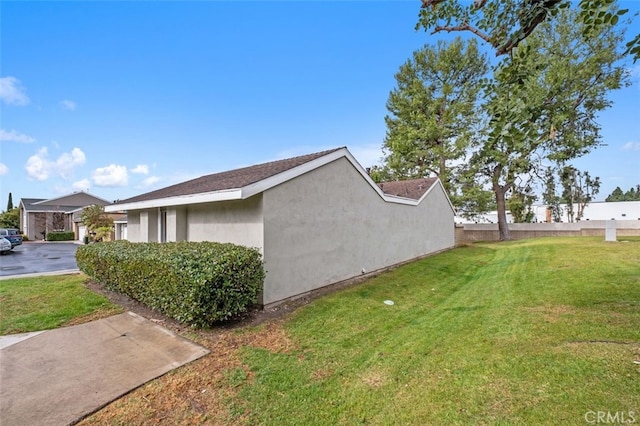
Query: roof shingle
[[414, 188], [232, 179]]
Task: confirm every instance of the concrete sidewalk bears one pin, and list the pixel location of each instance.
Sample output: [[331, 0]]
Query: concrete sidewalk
[[59, 376]]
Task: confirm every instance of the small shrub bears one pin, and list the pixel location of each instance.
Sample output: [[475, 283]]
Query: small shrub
[[61, 236], [197, 283]]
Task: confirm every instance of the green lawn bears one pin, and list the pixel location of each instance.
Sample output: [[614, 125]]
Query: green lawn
[[528, 332], [540, 331], [42, 303]]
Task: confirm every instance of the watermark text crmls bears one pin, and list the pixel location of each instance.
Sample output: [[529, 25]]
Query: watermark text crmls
[[611, 417]]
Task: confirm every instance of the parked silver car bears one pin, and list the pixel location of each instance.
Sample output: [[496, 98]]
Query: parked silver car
[[5, 245], [13, 235]]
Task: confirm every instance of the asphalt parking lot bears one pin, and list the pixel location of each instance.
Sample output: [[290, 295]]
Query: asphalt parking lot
[[39, 257]]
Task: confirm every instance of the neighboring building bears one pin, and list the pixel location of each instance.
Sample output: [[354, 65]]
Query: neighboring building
[[318, 219], [595, 210], [38, 216]]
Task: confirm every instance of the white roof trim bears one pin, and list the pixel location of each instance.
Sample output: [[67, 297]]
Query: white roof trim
[[270, 182], [52, 210], [265, 184], [439, 183], [181, 200], [392, 198], [70, 195]]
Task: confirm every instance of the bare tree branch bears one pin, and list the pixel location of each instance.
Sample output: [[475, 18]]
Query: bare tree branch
[[463, 27], [538, 11], [427, 3]]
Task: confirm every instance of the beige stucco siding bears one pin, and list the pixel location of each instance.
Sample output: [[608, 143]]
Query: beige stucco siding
[[133, 226], [238, 222], [330, 225], [149, 225]]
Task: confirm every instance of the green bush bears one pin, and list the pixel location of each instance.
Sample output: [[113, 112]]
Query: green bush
[[197, 283], [61, 236]]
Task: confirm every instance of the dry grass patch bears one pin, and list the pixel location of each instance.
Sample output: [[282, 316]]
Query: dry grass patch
[[270, 336], [552, 313], [202, 392], [94, 316], [374, 378]]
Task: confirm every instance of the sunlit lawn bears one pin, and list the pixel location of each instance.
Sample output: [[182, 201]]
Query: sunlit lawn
[[540, 331], [41, 303], [530, 332]]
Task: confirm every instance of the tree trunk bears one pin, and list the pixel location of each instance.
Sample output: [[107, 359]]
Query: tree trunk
[[442, 174], [503, 226]]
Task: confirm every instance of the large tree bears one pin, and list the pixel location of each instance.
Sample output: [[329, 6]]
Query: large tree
[[550, 196], [542, 103], [10, 218], [432, 111], [505, 24], [633, 194], [578, 190]]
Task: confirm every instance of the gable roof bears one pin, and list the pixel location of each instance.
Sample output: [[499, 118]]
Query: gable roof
[[34, 205], [245, 182], [66, 203], [73, 200], [413, 188], [29, 201], [231, 179]]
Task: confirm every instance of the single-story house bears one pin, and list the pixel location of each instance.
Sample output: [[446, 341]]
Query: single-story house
[[318, 219], [38, 216]]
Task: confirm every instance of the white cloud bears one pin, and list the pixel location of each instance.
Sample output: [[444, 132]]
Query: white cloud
[[82, 185], [142, 169], [12, 92], [150, 181], [631, 146], [67, 161], [13, 136], [40, 167], [112, 175], [70, 105], [3, 169]]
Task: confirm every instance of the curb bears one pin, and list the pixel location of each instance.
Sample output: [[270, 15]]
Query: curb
[[41, 274]]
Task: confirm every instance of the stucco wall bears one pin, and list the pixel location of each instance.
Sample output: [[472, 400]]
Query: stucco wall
[[133, 226], [329, 225], [238, 222], [148, 227]]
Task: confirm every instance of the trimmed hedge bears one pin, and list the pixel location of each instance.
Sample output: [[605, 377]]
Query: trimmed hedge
[[61, 236], [197, 283]]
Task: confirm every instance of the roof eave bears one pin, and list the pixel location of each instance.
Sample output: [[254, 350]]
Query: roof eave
[[275, 180], [438, 182], [270, 182], [70, 195], [207, 197]]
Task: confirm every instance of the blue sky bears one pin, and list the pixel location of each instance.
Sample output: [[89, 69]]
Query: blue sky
[[120, 98]]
